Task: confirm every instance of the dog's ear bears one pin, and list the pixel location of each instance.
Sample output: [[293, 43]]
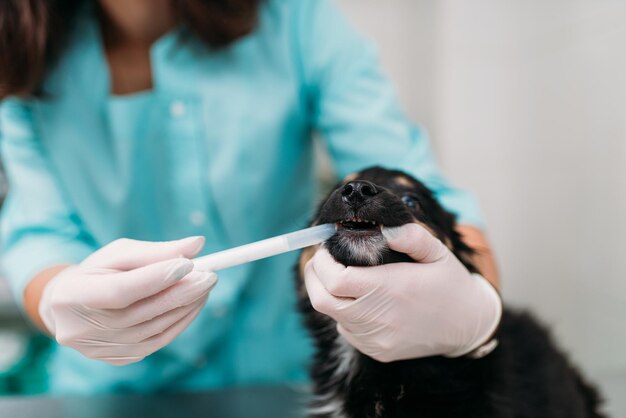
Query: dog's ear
[[443, 224]]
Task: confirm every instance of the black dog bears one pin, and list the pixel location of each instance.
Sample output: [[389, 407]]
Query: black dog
[[524, 377]]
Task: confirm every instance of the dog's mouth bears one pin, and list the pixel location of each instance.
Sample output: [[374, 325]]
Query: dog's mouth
[[356, 224], [358, 242]]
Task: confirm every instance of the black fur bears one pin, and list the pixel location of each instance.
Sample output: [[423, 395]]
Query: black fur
[[526, 376]]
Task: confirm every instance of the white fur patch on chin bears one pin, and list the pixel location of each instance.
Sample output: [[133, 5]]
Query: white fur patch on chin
[[368, 251]]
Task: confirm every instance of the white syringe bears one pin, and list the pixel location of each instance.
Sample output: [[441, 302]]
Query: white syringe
[[264, 248]]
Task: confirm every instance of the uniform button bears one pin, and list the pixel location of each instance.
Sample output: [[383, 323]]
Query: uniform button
[[197, 218], [177, 108]]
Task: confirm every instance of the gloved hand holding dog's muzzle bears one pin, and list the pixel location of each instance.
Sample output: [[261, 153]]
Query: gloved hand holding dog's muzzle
[[126, 300], [400, 311]]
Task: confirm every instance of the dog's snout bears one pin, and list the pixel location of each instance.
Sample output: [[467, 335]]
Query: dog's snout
[[358, 191]]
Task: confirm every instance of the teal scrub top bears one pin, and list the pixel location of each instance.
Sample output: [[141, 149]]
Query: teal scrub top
[[221, 147]]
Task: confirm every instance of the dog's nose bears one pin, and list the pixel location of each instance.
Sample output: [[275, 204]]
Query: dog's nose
[[357, 192]]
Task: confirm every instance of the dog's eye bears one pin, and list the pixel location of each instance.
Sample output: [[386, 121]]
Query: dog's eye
[[410, 201]]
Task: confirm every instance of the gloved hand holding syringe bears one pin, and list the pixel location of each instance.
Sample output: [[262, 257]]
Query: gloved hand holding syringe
[[265, 248], [131, 298]]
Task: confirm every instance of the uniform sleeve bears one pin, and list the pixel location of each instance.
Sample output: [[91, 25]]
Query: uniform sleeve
[[356, 109], [38, 227]]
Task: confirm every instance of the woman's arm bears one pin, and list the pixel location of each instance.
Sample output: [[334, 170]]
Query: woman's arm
[[40, 231], [33, 292], [484, 258], [355, 107]]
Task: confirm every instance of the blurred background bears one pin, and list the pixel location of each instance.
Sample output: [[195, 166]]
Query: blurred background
[[525, 102]]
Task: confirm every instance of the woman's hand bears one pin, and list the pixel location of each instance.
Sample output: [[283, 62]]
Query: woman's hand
[[406, 310], [127, 300]]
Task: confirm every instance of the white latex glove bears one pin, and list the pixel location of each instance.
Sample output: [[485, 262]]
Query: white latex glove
[[406, 310], [126, 300]]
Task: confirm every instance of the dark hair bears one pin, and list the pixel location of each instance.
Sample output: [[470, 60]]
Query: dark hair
[[33, 33]]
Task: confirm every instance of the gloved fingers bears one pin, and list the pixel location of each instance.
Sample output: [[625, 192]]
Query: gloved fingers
[[114, 353], [188, 291], [342, 281], [362, 330], [146, 330], [93, 334], [120, 360], [321, 300], [181, 294], [127, 254], [99, 342], [366, 343], [416, 241], [383, 345], [119, 290], [123, 354], [155, 343], [100, 339]]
